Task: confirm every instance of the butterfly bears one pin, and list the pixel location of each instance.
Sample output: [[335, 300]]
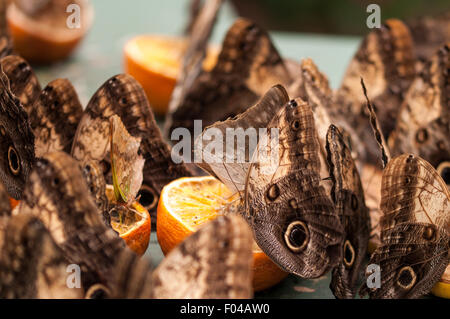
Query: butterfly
[[16, 138], [386, 61], [198, 268], [429, 34], [348, 196], [57, 194], [415, 241], [293, 220], [423, 123], [31, 263], [248, 65], [123, 96]]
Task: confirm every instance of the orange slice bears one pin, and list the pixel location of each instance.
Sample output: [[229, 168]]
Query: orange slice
[[47, 37], [187, 203], [132, 223], [155, 62]]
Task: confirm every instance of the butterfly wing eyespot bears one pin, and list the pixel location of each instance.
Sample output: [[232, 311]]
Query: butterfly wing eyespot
[[295, 125], [429, 233], [97, 291], [406, 278], [422, 136], [13, 161], [273, 192], [147, 197], [349, 254], [444, 171], [297, 236]]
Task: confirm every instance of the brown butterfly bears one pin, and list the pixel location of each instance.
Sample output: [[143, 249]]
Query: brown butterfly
[[122, 95], [198, 268], [248, 65], [54, 117], [385, 59], [58, 195], [31, 263], [414, 229], [423, 124], [429, 34], [292, 217], [348, 196]]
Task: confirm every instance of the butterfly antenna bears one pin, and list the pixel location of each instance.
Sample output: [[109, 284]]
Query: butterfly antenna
[[385, 154]]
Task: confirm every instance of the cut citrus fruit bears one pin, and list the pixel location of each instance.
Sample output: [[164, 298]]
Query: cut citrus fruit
[[442, 288], [49, 35], [155, 62], [187, 203], [132, 223]]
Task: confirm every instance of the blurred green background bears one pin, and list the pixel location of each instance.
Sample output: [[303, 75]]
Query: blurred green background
[[331, 16]]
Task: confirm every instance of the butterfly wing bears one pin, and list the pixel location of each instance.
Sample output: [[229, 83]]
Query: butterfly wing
[[31, 264], [385, 60], [54, 117], [123, 95], [292, 217], [430, 33], [57, 194], [348, 196], [415, 229], [248, 65], [17, 140], [23, 81], [231, 165], [203, 268], [126, 163], [423, 123]]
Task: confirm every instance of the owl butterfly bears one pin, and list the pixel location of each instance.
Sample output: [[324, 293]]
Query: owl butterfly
[[385, 59], [31, 263], [348, 196], [316, 91], [423, 123], [415, 229], [292, 218], [57, 194], [16, 140], [122, 95], [429, 34], [198, 32], [248, 65], [198, 268]]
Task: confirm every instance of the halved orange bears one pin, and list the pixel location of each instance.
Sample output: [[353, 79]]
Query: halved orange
[[47, 37], [187, 203], [132, 223], [155, 62]]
